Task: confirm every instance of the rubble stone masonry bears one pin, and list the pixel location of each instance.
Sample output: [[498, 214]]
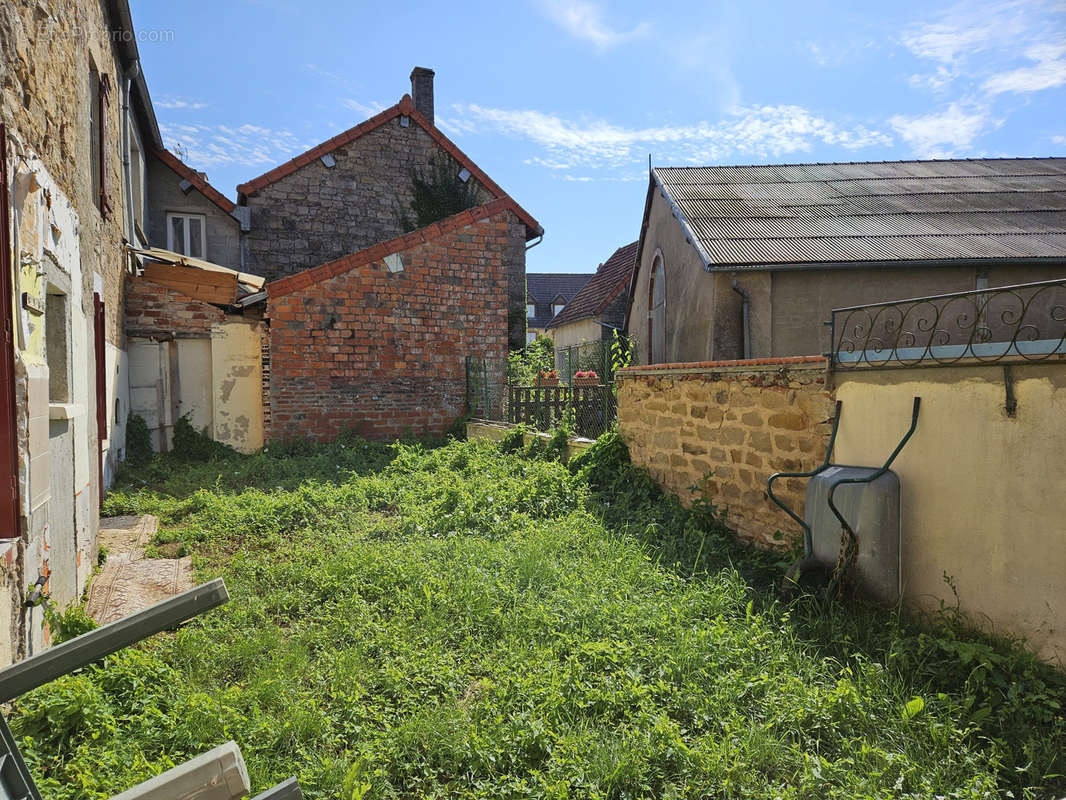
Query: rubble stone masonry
[[720, 429], [384, 353]]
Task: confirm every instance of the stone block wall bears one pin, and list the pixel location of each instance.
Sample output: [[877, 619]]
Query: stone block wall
[[720, 429], [320, 213], [384, 353]]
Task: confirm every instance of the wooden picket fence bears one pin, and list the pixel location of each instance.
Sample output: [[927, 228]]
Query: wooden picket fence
[[542, 407]]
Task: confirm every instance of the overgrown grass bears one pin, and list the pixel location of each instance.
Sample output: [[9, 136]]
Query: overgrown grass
[[463, 622]]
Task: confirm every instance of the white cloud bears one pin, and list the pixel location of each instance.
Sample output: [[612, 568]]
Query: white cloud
[[934, 82], [585, 20], [755, 132], [366, 109], [948, 43], [942, 134], [224, 145], [980, 44], [177, 104], [1048, 72], [1059, 140]]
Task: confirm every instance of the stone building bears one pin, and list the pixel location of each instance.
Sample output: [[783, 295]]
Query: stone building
[[748, 262], [77, 121], [188, 215], [355, 190]]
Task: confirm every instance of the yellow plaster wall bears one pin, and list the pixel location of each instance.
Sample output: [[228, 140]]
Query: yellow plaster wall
[[236, 383], [983, 493]]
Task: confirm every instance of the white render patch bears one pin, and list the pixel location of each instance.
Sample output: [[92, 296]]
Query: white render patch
[[328, 161], [394, 263]]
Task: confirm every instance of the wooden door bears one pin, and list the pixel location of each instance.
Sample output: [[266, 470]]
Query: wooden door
[[9, 494]]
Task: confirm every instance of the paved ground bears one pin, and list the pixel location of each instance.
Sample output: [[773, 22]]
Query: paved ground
[[128, 581]]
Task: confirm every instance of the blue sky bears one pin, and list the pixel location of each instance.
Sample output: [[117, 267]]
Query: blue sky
[[561, 101]]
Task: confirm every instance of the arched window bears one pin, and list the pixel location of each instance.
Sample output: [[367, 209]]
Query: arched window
[[657, 312]]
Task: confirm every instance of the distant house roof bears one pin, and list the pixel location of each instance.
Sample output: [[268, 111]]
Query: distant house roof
[[198, 181], [545, 288], [815, 215], [610, 280], [406, 108]]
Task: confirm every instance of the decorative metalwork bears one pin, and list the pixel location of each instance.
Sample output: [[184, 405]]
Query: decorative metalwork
[[1025, 322]]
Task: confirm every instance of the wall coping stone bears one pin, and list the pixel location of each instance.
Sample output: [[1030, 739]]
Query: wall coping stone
[[735, 365]]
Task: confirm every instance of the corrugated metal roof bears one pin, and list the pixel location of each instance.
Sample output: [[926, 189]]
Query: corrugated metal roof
[[756, 216]]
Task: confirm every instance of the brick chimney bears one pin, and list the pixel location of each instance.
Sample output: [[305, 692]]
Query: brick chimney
[[422, 91]]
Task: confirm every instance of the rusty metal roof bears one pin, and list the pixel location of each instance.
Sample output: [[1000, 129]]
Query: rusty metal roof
[[810, 214]]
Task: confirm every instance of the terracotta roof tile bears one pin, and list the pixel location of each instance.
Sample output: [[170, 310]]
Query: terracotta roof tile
[[610, 280], [196, 179]]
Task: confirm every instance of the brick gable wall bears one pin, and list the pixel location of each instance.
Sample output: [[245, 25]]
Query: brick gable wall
[[383, 353]]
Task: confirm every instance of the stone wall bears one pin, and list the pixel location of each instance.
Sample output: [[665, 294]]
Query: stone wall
[[384, 352], [60, 239], [318, 213], [720, 429]]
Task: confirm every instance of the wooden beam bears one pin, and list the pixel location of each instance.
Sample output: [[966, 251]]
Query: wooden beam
[[80, 651], [286, 790], [218, 774], [205, 285]]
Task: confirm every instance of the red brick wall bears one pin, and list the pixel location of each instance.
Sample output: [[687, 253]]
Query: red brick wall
[[152, 309], [384, 354]]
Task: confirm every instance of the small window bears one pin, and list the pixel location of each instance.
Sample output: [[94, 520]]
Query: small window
[[185, 234], [557, 307], [657, 312], [531, 336], [531, 310], [57, 346]]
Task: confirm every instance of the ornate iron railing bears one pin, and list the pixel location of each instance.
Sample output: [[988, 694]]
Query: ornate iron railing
[[1024, 322]]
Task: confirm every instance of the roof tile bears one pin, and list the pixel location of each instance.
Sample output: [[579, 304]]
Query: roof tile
[[610, 280]]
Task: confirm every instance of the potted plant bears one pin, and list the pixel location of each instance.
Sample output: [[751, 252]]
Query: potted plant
[[548, 378], [586, 378]]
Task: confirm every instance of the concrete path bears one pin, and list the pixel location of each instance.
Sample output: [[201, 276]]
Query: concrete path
[[129, 582]]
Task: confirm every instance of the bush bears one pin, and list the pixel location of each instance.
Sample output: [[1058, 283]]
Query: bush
[[138, 441]]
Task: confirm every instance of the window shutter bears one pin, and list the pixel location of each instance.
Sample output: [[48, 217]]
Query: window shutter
[[9, 488], [104, 101], [101, 367]]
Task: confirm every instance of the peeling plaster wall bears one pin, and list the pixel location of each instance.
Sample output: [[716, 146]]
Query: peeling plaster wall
[[56, 434], [236, 384], [45, 54]]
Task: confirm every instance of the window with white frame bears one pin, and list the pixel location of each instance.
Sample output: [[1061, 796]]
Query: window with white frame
[[531, 336], [557, 307], [531, 310], [186, 234]]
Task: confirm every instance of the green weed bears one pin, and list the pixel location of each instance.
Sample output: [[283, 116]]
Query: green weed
[[474, 620]]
